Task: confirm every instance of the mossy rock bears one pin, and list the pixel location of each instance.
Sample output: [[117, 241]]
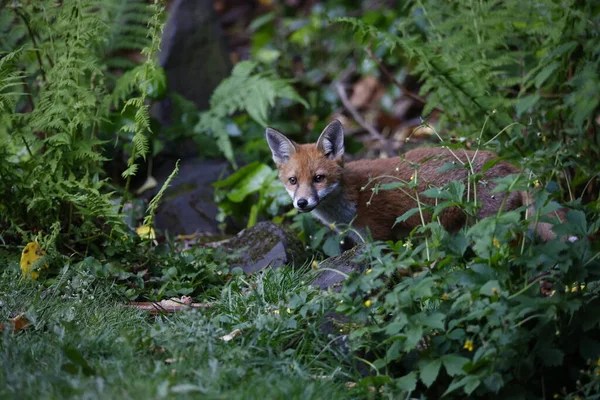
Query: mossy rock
[[266, 245]]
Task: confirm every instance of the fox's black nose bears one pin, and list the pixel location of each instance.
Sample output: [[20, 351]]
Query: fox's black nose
[[302, 203]]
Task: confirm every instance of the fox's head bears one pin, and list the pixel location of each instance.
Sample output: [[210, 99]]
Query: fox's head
[[310, 172]]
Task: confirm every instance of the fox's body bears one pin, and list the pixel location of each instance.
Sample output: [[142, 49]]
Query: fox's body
[[317, 179]]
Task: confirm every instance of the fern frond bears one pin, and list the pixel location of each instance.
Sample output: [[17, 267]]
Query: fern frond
[[254, 93]]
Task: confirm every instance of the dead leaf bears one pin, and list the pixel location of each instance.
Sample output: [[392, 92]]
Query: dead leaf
[[146, 232], [31, 253], [366, 92], [18, 323]]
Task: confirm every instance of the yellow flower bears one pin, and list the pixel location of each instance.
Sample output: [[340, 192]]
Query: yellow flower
[[445, 296], [468, 345], [368, 303], [408, 244], [314, 264], [495, 291], [577, 287], [496, 242], [367, 272], [332, 226]]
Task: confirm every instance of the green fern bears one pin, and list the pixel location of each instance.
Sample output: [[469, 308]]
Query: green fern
[[254, 93], [143, 78], [126, 29], [536, 62], [10, 80], [55, 97]]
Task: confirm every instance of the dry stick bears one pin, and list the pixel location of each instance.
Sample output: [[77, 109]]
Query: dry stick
[[357, 117]]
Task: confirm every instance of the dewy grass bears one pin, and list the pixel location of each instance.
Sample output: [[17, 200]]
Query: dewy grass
[[87, 344]]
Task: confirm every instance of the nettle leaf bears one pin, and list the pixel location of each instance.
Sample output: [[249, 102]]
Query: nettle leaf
[[454, 364], [429, 371], [413, 337], [434, 320], [331, 247], [393, 352], [408, 382], [577, 220]]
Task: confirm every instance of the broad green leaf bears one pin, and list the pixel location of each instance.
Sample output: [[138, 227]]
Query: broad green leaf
[[251, 183], [434, 320], [577, 220], [237, 175], [331, 247], [472, 383], [429, 371], [454, 364], [413, 336], [408, 382]]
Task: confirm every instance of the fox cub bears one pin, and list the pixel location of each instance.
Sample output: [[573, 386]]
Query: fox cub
[[318, 181]]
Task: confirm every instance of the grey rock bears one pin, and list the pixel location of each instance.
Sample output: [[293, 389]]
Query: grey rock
[[333, 271], [187, 206], [266, 244]]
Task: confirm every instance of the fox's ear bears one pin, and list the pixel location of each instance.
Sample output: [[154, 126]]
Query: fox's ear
[[281, 147], [331, 141]]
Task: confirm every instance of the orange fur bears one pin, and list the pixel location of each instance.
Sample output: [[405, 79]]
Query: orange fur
[[352, 198]]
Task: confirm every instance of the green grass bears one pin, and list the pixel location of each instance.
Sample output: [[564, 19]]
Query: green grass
[[84, 343]]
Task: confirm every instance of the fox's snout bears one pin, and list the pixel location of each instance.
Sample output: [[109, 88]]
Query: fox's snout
[[304, 200]]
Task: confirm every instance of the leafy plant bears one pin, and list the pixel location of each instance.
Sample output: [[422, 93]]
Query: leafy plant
[[531, 64], [55, 97], [454, 314], [237, 193], [254, 93]]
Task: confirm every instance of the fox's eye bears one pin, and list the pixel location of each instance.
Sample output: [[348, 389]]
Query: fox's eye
[[293, 180], [319, 178]]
